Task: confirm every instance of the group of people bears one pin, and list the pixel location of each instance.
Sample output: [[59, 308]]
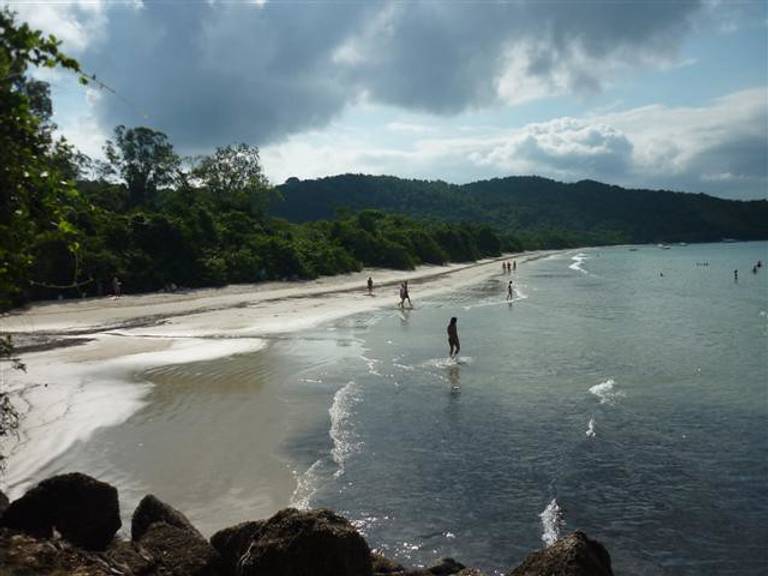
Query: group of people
[[453, 333], [755, 268]]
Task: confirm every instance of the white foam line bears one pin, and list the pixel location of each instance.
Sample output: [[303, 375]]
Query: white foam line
[[345, 441], [552, 523]]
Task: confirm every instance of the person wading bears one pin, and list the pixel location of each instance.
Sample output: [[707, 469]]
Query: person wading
[[453, 338]]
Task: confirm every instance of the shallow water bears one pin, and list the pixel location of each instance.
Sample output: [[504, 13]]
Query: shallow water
[[609, 399], [605, 398]]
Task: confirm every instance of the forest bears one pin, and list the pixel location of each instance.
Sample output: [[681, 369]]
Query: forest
[[540, 212]]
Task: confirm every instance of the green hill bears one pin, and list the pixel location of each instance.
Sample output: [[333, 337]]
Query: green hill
[[531, 207]]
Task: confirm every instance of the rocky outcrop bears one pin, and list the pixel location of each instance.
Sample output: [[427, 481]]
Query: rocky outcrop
[[233, 542], [180, 552], [83, 510], [314, 543], [172, 541], [84, 513], [151, 510], [574, 555]]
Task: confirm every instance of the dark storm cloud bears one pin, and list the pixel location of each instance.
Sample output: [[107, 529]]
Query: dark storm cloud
[[209, 74]]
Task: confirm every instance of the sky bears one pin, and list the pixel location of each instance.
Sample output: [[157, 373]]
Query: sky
[[640, 93]]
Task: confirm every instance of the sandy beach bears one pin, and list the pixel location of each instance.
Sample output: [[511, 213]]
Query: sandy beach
[[70, 391]]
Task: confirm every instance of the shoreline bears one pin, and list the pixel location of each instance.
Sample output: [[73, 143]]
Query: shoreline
[[86, 374]]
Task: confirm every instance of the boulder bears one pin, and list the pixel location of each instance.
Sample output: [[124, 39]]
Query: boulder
[[3, 502], [151, 510], [574, 555], [231, 543], [311, 543], [445, 567], [179, 551], [382, 565], [83, 510]]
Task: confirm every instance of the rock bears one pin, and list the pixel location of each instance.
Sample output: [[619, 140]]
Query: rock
[[313, 543], [445, 567], [23, 555], [231, 543], [151, 510], [382, 565], [574, 555], [3, 502], [180, 552], [84, 511]]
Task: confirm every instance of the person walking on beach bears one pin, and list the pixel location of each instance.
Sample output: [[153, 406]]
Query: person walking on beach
[[370, 286], [453, 338], [510, 291], [116, 287]]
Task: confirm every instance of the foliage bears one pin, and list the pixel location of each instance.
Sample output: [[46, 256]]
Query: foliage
[[38, 198], [535, 212], [144, 160]]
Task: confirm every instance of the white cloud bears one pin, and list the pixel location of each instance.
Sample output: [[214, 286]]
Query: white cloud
[[718, 148], [77, 23]]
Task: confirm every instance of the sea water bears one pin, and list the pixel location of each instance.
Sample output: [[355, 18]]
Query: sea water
[[622, 393]]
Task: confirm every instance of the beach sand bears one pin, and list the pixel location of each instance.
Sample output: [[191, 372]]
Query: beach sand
[[70, 392]]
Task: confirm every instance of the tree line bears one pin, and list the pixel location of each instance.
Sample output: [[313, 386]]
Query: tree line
[[156, 220]]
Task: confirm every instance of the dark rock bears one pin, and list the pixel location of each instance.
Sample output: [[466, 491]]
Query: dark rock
[[314, 543], [3, 502], [84, 511], [151, 510], [382, 565], [180, 552], [445, 567], [231, 543], [574, 555], [23, 555]]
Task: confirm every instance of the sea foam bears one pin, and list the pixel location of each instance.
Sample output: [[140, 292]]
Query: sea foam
[[345, 440], [552, 522], [578, 260], [606, 391], [591, 428]]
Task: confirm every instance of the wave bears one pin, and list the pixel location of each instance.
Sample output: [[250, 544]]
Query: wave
[[552, 523], [448, 362], [372, 364], [606, 391], [591, 429], [306, 486], [578, 260], [345, 440]]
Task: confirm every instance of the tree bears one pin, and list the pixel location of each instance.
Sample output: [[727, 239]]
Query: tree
[[36, 195], [145, 161], [234, 178]]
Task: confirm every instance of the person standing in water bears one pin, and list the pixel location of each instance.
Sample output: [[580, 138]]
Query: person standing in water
[[453, 338], [370, 286], [510, 291], [514, 265], [735, 275], [406, 295]]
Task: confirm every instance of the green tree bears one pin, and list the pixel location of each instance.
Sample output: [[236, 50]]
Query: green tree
[[235, 180], [36, 195], [144, 160]]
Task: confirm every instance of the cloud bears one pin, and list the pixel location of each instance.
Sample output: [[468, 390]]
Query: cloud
[[209, 73], [720, 147]]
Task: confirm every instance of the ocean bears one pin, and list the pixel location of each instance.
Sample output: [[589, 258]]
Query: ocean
[[622, 392], [605, 398]]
